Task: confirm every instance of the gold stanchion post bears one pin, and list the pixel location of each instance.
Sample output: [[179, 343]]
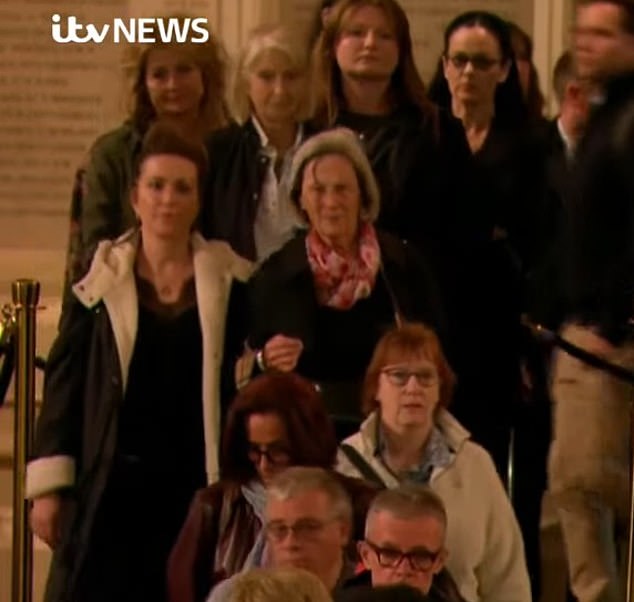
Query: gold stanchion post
[[630, 544], [26, 295]]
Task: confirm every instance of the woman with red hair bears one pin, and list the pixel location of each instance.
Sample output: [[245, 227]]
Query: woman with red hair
[[276, 421]]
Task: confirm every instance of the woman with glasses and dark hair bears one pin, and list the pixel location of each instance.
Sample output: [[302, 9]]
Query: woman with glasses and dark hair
[[276, 421], [409, 436], [509, 209]]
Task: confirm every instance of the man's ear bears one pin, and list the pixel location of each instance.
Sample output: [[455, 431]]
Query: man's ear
[[440, 561], [364, 553], [346, 532]]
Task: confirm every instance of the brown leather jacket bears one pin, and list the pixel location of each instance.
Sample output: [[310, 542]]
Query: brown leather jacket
[[216, 511]]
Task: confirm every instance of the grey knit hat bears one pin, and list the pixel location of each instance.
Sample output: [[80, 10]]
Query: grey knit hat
[[339, 141]]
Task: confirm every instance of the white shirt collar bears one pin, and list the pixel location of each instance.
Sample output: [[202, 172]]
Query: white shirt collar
[[264, 139], [567, 140]]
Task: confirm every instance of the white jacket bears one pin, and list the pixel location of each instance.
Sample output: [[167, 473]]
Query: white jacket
[[486, 551], [111, 279]]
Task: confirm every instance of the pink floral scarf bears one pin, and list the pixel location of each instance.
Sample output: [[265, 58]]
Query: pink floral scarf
[[341, 281]]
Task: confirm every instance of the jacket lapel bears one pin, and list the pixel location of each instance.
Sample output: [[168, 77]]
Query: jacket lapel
[[215, 266], [111, 280]]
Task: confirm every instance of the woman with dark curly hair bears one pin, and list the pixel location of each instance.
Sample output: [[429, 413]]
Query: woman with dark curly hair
[[276, 421]]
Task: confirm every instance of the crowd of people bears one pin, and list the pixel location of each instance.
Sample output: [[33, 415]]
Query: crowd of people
[[293, 361]]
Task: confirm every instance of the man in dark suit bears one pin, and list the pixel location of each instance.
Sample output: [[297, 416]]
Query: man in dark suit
[[567, 128]]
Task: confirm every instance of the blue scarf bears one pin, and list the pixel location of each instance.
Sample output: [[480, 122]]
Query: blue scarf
[[255, 494]]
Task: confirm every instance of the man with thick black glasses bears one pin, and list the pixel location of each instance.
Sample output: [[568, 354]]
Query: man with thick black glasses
[[405, 543]]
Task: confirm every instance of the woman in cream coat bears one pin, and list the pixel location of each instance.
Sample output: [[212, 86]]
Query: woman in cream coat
[[130, 422], [408, 435]]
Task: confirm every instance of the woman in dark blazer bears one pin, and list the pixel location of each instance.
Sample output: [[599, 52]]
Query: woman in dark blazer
[[246, 199], [320, 304]]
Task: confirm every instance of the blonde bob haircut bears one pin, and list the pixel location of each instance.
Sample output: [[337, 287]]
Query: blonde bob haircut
[[209, 57], [264, 39], [272, 585]]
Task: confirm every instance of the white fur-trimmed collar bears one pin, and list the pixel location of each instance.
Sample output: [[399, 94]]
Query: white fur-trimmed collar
[[114, 260]]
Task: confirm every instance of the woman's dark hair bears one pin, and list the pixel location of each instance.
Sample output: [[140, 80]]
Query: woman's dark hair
[[510, 108], [406, 87], [523, 50], [165, 139], [299, 406]]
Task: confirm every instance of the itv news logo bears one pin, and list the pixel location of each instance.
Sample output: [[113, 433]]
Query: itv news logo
[[139, 31]]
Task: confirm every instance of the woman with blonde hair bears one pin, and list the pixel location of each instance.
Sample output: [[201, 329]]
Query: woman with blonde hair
[[366, 79], [273, 585], [182, 84], [247, 201]]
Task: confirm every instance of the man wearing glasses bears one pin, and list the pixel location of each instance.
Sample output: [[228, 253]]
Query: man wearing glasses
[[405, 543], [308, 526]]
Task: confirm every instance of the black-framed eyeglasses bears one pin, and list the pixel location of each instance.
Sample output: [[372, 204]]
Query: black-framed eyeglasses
[[419, 559], [399, 376], [304, 529], [480, 62], [274, 454]]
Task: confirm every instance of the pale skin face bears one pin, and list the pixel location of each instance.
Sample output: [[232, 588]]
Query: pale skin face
[[275, 88], [367, 47], [317, 540], [268, 445], [174, 83], [602, 48], [469, 83], [165, 197], [331, 198], [408, 402], [389, 536]]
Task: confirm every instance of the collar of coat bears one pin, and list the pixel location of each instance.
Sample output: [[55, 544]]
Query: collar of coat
[[454, 433], [111, 280]]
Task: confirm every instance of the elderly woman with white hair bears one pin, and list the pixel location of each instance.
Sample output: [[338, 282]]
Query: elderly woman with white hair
[[246, 201], [319, 305]]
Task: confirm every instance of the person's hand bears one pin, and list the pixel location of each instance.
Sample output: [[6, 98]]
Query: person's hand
[[45, 518], [282, 353]]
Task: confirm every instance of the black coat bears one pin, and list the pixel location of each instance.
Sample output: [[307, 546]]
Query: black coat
[[233, 186], [85, 386], [338, 344], [599, 254], [423, 169]]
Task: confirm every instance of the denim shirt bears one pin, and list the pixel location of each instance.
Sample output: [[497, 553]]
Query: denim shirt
[[437, 454]]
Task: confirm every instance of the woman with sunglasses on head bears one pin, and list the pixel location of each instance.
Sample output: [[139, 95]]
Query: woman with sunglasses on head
[[276, 421], [409, 436]]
